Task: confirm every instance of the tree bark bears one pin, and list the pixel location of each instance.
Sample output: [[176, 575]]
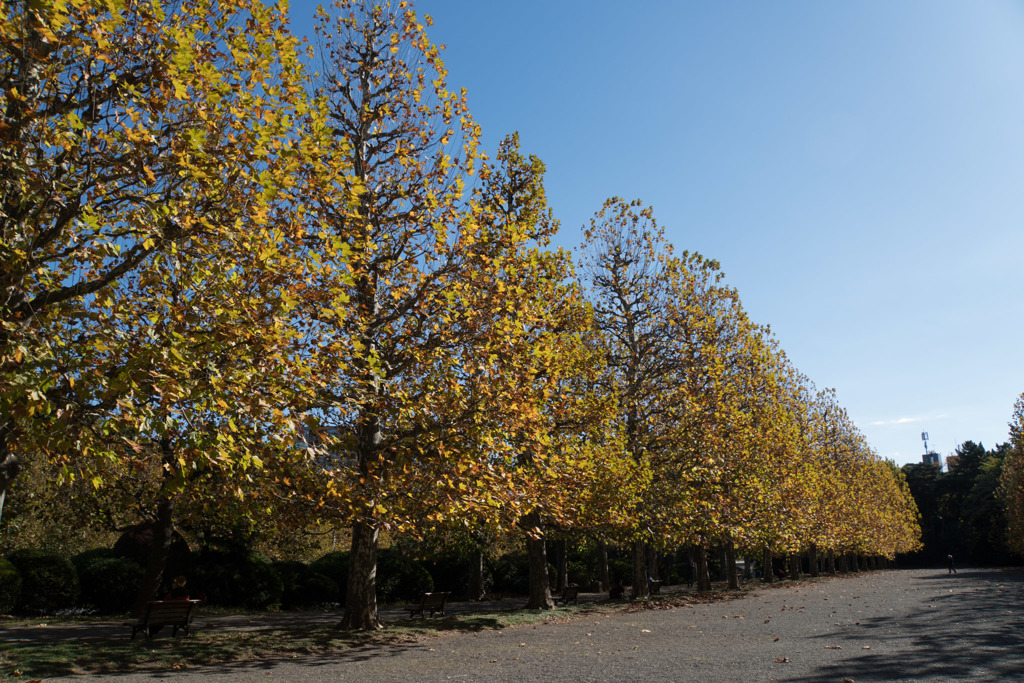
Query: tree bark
[[703, 577], [691, 567], [562, 564], [163, 531], [730, 565], [794, 566], [361, 593], [475, 591], [640, 588], [9, 466], [812, 560], [767, 570], [602, 561], [540, 582], [830, 563]]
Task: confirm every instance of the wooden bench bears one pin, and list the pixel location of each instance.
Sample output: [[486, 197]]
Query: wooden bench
[[570, 592], [434, 602], [159, 613]]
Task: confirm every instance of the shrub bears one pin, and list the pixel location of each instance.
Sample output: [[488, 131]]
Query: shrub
[[335, 567], [264, 585], [511, 573], [398, 576], [10, 586], [231, 580], [136, 544], [48, 581], [292, 573], [303, 587], [453, 572], [401, 578], [110, 584], [620, 569], [317, 589], [581, 573], [84, 559]]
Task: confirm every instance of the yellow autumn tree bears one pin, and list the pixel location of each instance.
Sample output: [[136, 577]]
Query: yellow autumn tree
[[1011, 481], [154, 244], [434, 341]]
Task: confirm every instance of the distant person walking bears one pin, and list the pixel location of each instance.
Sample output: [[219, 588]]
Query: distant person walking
[[949, 563]]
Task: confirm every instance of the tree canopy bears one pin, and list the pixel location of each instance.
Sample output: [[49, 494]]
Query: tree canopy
[[235, 287]]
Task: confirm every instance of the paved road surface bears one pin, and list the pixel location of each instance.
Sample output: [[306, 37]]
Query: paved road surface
[[883, 626]]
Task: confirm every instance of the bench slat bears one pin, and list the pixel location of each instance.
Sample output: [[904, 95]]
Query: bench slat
[[159, 613], [434, 602], [570, 592]]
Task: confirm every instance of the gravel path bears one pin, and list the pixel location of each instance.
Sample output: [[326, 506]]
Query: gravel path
[[914, 625]]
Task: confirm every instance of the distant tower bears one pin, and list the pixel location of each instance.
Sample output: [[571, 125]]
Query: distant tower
[[928, 458]]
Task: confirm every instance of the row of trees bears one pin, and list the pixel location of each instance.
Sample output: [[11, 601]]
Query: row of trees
[[1011, 480], [232, 289], [962, 511], [975, 510]]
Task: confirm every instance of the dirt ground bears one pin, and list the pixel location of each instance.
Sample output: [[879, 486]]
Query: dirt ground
[[911, 625]]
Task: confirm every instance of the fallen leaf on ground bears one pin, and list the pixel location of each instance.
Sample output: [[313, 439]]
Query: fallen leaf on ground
[[833, 647], [782, 660]]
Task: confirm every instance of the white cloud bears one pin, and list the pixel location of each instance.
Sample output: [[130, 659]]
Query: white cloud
[[905, 420]]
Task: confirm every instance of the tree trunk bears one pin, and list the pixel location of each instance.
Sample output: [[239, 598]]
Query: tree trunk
[[767, 570], [9, 466], [730, 565], [703, 577], [602, 563], [640, 588], [563, 564], [652, 563], [361, 594], [163, 531], [830, 563], [475, 590], [540, 582], [794, 566], [812, 560], [691, 567]]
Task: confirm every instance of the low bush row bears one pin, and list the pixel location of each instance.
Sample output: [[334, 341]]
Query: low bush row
[[38, 582]]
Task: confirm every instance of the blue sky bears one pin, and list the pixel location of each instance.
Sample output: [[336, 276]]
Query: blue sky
[[856, 167]]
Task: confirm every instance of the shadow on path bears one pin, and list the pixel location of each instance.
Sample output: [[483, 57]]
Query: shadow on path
[[969, 626]]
